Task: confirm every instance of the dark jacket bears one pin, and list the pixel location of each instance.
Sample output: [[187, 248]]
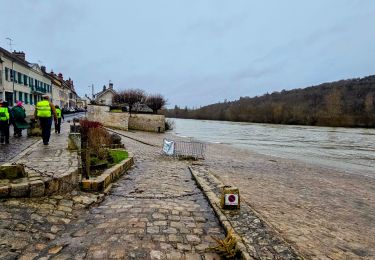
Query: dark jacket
[[19, 116]]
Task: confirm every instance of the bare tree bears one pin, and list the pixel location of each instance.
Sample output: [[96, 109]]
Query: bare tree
[[369, 103], [130, 97], [155, 102], [333, 102]]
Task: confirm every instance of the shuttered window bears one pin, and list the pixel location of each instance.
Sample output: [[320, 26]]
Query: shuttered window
[[20, 78], [25, 78], [6, 74]]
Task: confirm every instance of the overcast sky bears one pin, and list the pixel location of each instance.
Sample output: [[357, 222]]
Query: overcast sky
[[195, 52]]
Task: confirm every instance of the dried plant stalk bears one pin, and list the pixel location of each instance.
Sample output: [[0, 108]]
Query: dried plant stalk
[[227, 246]]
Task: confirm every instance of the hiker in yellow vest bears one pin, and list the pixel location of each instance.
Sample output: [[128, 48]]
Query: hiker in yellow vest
[[4, 122], [59, 116], [44, 111]]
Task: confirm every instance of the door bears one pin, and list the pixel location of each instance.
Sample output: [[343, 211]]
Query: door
[[9, 98]]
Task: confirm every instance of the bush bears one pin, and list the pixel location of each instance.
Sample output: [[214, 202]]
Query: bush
[[169, 124], [95, 139]]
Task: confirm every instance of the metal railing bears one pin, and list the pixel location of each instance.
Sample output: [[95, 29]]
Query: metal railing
[[184, 149]]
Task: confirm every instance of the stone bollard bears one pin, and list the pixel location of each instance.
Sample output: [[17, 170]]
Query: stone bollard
[[12, 171], [74, 142], [230, 198]]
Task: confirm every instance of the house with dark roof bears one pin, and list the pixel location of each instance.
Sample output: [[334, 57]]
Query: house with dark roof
[[27, 82], [105, 96], [21, 80]]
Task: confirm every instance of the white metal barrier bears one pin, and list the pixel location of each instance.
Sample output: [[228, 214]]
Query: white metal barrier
[[184, 149]]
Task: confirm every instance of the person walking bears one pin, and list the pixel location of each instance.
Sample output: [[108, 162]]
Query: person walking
[[4, 122], [44, 111], [59, 116], [19, 122]]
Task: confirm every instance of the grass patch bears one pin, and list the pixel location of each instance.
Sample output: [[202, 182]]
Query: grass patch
[[116, 111], [118, 156], [96, 161]]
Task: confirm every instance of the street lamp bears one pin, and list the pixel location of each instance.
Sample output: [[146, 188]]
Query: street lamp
[[92, 90]]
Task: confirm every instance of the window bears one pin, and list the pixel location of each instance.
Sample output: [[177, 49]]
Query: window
[[6, 74], [11, 75], [15, 76], [25, 80], [20, 76], [26, 98], [15, 96], [31, 99], [20, 96]]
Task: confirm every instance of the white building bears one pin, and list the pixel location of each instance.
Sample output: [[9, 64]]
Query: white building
[[21, 80], [105, 97], [27, 82]]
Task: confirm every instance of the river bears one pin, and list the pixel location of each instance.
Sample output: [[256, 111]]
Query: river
[[351, 150]]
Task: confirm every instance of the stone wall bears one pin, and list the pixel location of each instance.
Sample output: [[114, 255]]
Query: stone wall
[[124, 121], [147, 122], [101, 114]]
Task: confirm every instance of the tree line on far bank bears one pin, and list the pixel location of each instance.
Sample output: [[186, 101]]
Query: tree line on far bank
[[348, 103]]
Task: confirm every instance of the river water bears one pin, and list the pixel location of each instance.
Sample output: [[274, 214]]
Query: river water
[[346, 149]]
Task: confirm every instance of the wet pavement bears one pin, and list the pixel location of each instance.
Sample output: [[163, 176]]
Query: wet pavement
[[323, 213], [154, 212], [16, 145]]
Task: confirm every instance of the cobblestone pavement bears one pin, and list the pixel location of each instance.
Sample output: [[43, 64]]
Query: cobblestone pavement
[[325, 214], [27, 226], [16, 145], [154, 212], [49, 168], [19, 144], [55, 158], [261, 241]]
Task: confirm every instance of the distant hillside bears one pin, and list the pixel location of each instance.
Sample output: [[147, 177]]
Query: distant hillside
[[347, 103]]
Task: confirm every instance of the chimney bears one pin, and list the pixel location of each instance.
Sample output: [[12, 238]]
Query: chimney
[[43, 68], [52, 73], [104, 88], [20, 54], [60, 76], [110, 85]]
